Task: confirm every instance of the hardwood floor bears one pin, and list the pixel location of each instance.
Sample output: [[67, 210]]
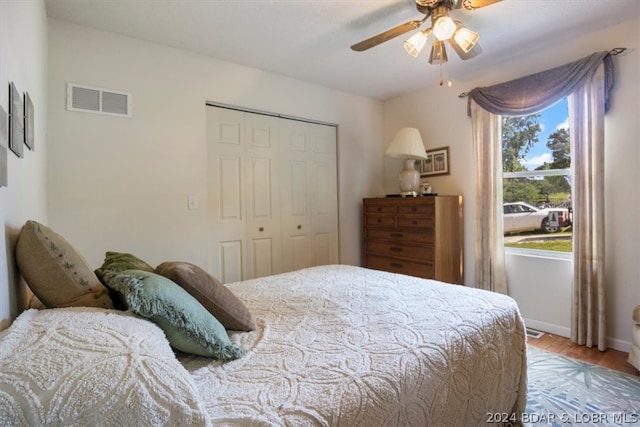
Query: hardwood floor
[[613, 359]]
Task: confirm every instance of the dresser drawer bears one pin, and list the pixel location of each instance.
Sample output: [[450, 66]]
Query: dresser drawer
[[415, 221], [374, 220], [399, 266], [423, 236], [370, 208], [397, 249], [422, 209]]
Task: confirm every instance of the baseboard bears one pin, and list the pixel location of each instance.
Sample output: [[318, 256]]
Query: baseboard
[[617, 344], [563, 331], [548, 327]]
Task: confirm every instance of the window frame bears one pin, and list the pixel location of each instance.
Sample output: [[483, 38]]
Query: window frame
[[539, 253]]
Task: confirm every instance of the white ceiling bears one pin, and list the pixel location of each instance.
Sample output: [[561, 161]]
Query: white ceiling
[[309, 39]]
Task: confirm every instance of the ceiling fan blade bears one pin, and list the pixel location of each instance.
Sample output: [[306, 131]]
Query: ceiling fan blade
[[473, 4], [387, 35]]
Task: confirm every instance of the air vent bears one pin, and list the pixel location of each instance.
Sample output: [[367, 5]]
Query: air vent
[[534, 334], [95, 100]]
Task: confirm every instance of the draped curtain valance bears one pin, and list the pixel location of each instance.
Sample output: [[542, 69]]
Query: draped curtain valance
[[538, 91]]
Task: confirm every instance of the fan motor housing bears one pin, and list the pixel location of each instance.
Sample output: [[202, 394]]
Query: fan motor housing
[[428, 3]]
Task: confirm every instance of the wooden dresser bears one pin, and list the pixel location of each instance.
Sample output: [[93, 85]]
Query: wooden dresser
[[417, 236]]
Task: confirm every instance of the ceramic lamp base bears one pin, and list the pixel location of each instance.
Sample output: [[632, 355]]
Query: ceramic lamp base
[[409, 178]]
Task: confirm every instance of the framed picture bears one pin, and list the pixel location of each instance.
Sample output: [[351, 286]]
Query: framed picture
[[16, 120], [28, 122], [3, 147], [436, 163]]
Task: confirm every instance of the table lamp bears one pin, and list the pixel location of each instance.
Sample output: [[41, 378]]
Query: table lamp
[[408, 146]]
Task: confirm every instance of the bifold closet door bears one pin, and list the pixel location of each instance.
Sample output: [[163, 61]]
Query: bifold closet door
[[243, 194], [308, 194]]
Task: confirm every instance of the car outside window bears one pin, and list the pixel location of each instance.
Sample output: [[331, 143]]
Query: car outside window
[[537, 180]]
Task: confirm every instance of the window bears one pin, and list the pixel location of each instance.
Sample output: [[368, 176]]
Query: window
[[536, 157]]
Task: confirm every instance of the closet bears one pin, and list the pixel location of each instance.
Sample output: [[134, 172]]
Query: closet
[[273, 202]]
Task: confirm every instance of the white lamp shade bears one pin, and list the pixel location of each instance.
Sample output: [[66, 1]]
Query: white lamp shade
[[407, 144]]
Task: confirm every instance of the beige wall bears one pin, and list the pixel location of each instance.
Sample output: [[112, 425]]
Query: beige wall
[[122, 184], [23, 60], [441, 117]]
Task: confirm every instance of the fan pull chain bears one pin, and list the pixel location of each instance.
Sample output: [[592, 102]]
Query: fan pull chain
[[449, 84]]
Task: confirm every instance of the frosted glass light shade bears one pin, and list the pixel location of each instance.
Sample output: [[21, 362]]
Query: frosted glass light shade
[[416, 42], [444, 28], [438, 53], [465, 38]]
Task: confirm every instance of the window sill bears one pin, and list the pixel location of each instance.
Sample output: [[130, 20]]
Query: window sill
[[537, 253]]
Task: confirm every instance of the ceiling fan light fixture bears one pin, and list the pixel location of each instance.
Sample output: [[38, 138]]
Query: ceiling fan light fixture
[[438, 53], [443, 25], [444, 28], [464, 38], [416, 42], [475, 51]]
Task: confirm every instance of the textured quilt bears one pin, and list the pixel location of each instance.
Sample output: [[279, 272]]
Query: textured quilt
[[92, 367], [347, 346]]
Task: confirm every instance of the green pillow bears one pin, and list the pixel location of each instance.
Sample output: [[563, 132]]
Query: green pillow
[[120, 261], [189, 327]]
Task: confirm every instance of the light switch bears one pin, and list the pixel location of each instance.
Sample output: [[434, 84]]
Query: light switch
[[193, 202]]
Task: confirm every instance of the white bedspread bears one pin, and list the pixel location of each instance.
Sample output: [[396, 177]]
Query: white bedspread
[[347, 346]]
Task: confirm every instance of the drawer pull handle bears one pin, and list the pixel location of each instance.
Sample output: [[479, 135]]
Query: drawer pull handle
[[395, 264], [299, 227], [396, 235], [261, 229], [395, 249]]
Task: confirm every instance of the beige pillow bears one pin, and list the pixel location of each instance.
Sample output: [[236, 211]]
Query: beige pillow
[[56, 273], [212, 294]]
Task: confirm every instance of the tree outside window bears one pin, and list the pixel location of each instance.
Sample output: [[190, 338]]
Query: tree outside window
[[536, 156]]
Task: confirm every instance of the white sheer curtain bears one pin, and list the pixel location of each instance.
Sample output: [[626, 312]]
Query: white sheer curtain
[[586, 121], [487, 147]]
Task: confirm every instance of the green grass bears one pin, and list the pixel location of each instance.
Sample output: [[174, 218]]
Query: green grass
[[552, 244], [549, 245]]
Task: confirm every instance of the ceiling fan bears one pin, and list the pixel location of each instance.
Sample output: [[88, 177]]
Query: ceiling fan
[[461, 39]]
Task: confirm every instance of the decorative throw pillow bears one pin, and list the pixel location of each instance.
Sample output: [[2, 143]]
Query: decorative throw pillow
[[188, 325], [120, 261], [56, 273], [212, 294], [90, 366]]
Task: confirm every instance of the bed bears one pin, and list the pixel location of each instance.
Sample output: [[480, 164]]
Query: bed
[[332, 345], [347, 346]]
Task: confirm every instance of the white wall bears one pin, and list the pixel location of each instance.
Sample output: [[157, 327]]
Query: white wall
[[122, 184], [441, 117], [23, 60], [542, 288]]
